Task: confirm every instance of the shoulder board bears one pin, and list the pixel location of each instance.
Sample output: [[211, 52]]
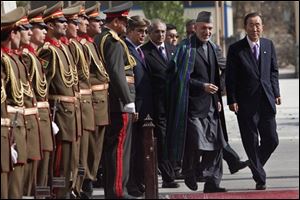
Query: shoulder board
[[25, 50], [83, 41], [46, 45], [115, 35]]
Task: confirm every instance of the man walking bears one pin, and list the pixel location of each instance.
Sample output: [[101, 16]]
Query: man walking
[[252, 92]]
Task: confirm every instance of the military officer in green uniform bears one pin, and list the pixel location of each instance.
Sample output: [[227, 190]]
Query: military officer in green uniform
[[119, 66], [99, 85], [21, 102], [62, 79], [39, 84]]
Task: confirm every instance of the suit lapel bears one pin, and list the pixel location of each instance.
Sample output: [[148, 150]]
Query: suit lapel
[[262, 53], [155, 54], [200, 51], [249, 56]]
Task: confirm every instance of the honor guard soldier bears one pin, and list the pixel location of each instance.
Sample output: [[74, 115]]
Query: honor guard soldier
[[31, 117], [99, 85], [76, 17], [119, 65], [39, 84], [6, 142], [62, 79], [21, 102]]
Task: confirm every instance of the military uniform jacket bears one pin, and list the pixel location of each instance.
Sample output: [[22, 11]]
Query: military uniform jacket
[[6, 164], [20, 94], [39, 84], [116, 61], [98, 78], [83, 69], [62, 80]]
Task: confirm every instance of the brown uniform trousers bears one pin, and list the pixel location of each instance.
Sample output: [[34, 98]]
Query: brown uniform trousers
[[11, 70], [38, 79], [62, 81]]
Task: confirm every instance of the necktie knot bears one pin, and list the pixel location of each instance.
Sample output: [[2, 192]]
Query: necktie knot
[[162, 53]]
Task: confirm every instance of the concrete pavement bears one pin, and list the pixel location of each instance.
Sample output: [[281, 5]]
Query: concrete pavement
[[282, 168]]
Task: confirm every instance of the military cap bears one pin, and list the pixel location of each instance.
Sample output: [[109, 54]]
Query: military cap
[[118, 11], [55, 13], [204, 16], [82, 8], [94, 12], [71, 13], [36, 16], [15, 19]]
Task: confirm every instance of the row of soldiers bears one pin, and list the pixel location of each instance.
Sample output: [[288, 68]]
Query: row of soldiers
[[54, 99]]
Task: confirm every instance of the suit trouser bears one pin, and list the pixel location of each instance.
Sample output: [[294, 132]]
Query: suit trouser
[[230, 156], [4, 185], [263, 124], [164, 165], [137, 157], [117, 146]]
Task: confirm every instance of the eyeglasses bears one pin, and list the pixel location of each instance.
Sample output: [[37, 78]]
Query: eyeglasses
[[173, 36], [141, 31]]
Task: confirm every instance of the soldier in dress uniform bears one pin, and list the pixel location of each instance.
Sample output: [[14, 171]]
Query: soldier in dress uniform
[[31, 118], [119, 65], [39, 84], [6, 142], [76, 17], [21, 102], [99, 85], [62, 79]]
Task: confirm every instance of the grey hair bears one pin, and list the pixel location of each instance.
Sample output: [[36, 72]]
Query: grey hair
[[155, 22]]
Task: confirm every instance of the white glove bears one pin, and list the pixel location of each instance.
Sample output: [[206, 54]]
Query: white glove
[[130, 108], [14, 154], [55, 128]]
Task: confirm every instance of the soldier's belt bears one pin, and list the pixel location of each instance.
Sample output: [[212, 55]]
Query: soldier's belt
[[130, 79], [85, 91], [11, 109], [69, 99], [5, 122], [43, 104], [100, 87], [31, 111]]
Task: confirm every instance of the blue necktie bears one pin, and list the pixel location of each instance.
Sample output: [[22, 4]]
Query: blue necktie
[[255, 51], [163, 55]]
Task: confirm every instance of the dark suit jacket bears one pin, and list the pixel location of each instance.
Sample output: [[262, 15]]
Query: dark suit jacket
[[158, 69], [205, 71], [115, 58], [247, 80], [142, 81]]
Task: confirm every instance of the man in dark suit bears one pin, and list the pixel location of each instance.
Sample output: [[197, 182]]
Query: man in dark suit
[[252, 92], [119, 65], [136, 35], [157, 55]]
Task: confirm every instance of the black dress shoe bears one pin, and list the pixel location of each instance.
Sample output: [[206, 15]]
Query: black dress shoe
[[170, 184], [238, 166], [260, 186], [211, 188], [190, 182], [136, 193]]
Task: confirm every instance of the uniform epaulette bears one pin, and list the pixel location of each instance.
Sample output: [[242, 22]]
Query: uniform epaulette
[[46, 45], [25, 50], [83, 41], [115, 35]]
